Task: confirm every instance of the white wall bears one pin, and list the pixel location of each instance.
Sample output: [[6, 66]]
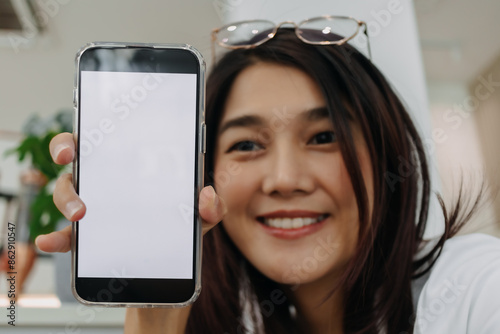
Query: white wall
[[487, 118], [459, 150]]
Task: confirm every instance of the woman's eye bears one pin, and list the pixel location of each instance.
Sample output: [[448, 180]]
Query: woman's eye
[[326, 137], [245, 145]]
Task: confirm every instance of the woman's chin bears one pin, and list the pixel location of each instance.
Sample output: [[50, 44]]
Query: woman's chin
[[293, 275]]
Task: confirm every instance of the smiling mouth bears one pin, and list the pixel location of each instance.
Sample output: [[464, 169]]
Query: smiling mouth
[[288, 223]]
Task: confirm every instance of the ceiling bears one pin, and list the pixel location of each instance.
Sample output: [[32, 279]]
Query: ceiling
[[460, 38]]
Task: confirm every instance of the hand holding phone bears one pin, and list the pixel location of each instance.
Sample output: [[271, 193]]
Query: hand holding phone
[[211, 209], [210, 206]]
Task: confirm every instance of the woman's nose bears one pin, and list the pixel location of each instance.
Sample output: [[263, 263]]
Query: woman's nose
[[287, 174]]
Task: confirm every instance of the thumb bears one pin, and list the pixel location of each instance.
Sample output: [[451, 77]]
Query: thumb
[[212, 208]]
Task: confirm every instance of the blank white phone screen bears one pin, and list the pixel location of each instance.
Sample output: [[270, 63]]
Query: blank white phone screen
[[136, 174]]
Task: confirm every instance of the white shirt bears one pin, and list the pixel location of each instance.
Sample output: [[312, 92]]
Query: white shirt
[[462, 293]]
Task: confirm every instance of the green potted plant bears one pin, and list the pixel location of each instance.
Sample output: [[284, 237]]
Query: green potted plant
[[43, 214]]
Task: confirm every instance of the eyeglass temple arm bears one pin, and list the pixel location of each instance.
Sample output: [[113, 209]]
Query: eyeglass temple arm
[[212, 46], [367, 40]]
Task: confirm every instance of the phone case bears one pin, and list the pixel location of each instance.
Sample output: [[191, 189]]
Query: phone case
[[199, 172]]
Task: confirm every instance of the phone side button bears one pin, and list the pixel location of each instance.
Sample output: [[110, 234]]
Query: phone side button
[[74, 96], [75, 118], [203, 137]]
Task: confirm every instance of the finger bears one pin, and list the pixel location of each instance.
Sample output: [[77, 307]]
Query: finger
[[67, 200], [59, 241], [62, 148], [212, 208]]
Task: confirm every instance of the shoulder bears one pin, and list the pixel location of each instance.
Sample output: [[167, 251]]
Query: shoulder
[[462, 294]]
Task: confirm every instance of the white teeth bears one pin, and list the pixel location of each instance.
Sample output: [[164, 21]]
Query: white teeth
[[298, 222], [289, 223], [286, 223]]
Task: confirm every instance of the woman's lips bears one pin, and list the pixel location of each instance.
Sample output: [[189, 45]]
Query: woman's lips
[[291, 224]]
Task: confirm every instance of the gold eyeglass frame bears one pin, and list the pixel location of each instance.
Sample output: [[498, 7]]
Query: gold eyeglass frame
[[296, 27]]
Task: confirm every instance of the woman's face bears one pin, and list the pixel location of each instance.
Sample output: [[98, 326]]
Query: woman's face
[[292, 211]]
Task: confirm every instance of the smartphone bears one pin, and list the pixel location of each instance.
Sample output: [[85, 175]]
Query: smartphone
[[140, 140]]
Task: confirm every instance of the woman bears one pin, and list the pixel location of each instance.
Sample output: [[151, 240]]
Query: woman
[[320, 229]]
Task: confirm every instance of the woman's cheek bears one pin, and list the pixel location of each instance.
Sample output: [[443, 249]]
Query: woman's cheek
[[233, 183]]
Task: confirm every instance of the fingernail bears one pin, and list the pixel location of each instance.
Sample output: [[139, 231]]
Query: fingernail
[[210, 196], [215, 198], [72, 208], [204, 198], [36, 241], [58, 149]]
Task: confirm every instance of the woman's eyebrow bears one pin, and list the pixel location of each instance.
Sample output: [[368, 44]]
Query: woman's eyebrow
[[310, 115], [242, 121], [315, 114]]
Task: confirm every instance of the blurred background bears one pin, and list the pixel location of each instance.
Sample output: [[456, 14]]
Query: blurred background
[[455, 56]]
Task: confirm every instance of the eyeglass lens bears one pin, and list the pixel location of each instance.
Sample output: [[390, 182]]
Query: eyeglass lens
[[321, 29], [327, 29], [246, 33]]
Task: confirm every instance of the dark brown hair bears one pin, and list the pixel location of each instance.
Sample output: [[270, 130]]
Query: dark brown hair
[[377, 282]]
